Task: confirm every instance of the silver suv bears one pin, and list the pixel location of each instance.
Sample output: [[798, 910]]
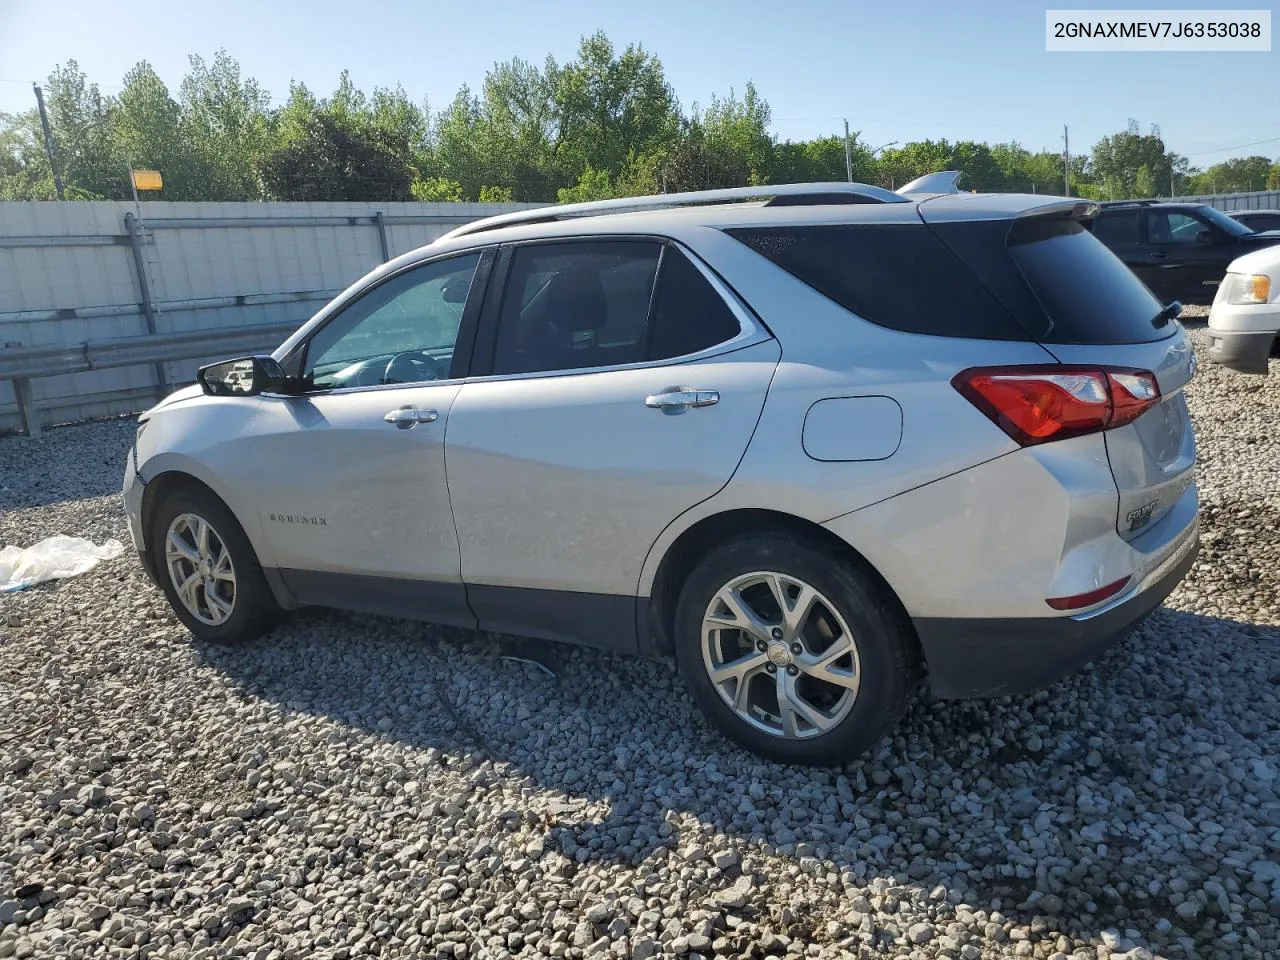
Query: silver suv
[[816, 441]]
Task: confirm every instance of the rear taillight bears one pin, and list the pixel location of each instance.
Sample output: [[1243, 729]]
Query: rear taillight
[[1042, 403]]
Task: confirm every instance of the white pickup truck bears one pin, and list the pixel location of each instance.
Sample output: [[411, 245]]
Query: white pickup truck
[[1245, 317]]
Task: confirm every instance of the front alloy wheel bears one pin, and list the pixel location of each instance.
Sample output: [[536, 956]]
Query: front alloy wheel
[[207, 568], [780, 655], [200, 566]]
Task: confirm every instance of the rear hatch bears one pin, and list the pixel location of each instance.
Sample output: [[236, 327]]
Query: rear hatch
[[1080, 302]]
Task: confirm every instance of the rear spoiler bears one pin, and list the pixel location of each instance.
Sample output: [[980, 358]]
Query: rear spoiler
[[1064, 209]]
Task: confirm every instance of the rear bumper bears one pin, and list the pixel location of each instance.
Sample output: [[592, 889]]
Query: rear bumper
[[970, 658], [1242, 352]]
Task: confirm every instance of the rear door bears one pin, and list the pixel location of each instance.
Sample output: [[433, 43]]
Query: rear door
[[1182, 262], [625, 382]]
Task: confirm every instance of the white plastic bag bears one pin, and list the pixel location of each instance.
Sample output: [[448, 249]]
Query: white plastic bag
[[53, 559]]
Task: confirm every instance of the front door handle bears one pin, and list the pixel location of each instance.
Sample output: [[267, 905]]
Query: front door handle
[[679, 399], [1157, 254], [404, 418]]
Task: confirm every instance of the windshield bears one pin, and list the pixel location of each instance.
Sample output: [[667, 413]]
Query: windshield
[[1219, 219]]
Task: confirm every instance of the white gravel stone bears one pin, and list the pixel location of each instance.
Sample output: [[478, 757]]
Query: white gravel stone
[[354, 786]]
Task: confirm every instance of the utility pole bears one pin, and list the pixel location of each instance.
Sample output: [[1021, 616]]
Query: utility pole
[[48, 140], [1066, 163], [848, 155]]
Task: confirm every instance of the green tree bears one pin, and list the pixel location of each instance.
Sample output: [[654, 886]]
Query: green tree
[[495, 194], [335, 150], [436, 190], [609, 105], [228, 122], [592, 185], [147, 127], [24, 168], [87, 147], [1239, 175], [740, 128], [1144, 184], [1116, 160]]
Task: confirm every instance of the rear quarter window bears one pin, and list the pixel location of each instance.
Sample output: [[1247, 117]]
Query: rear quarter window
[[897, 275]]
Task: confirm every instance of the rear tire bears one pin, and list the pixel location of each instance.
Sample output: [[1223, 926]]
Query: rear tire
[[208, 570], [826, 676]]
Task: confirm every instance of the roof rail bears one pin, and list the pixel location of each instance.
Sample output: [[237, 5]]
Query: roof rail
[[786, 194], [1143, 202]]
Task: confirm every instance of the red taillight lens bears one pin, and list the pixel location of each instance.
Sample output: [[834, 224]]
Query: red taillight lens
[[1038, 404], [1132, 393]]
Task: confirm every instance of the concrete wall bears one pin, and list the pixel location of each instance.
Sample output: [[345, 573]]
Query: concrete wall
[[68, 274]]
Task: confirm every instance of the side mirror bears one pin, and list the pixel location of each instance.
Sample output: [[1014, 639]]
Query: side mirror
[[245, 377], [1206, 238]]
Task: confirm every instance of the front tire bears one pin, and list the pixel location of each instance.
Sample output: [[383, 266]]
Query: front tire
[[208, 570], [793, 651]]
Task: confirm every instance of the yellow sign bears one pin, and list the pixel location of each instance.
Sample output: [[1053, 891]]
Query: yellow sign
[[147, 180]]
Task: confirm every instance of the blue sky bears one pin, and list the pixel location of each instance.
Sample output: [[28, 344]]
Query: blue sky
[[901, 71]]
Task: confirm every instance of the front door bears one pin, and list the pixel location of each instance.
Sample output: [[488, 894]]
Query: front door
[[625, 386], [349, 478]]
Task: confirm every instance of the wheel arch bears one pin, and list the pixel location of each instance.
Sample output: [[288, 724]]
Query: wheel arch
[[174, 479], [692, 545], [160, 488]]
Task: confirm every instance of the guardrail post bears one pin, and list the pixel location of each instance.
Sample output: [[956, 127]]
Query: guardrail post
[[134, 229], [380, 222], [28, 413]]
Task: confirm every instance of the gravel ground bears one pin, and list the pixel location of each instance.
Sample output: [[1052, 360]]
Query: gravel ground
[[353, 787]]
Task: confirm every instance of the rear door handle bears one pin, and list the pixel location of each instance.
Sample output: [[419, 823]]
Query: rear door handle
[[1157, 254], [406, 417], [680, 399]]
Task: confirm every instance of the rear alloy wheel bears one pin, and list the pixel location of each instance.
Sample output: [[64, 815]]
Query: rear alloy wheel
[[794, 653], [780, 655], [208, 570]]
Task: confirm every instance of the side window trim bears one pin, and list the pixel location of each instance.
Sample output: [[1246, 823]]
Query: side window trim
[[296, 359], [649, 326], [751, 329]]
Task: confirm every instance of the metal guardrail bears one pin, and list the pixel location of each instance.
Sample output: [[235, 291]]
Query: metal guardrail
[[24, 364]]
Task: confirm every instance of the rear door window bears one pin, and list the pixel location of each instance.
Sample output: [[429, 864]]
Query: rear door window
[[583, 304], [688, 314]]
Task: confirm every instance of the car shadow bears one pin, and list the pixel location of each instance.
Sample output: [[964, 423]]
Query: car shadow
[[997, 790]]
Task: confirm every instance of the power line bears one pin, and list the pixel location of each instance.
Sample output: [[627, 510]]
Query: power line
[[1238, 146]]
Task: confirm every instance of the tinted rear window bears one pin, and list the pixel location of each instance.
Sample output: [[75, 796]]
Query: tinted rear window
[[896, 275], [1086, 293]]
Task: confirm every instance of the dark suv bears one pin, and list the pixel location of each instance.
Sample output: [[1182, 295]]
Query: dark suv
[[1179, 250]]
